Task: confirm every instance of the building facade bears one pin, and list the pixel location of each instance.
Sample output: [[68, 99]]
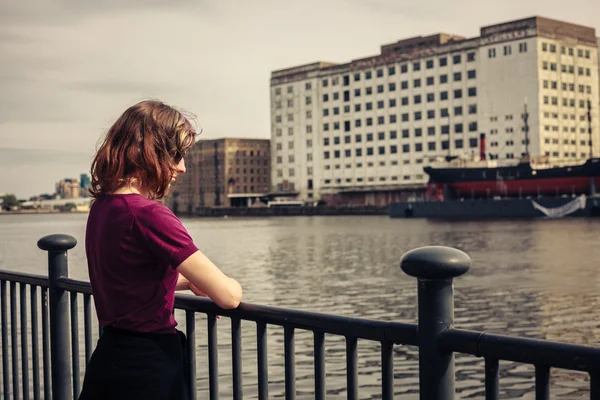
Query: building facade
[[361, 132], [68, 188], [223, 173]]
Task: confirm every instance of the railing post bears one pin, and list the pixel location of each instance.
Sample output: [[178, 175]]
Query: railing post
[[435, 267], [57, 246]]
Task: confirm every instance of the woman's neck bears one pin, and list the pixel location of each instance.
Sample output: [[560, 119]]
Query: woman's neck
[[130, 188]]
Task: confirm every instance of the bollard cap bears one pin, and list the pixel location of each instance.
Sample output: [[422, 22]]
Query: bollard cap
[[57, 242], [435, 262]]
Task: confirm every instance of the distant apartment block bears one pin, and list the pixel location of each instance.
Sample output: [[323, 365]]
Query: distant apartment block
[[224, 173], [68, 189], [361, 132]]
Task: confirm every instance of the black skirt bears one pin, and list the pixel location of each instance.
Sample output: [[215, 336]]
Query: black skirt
[[134, 365]]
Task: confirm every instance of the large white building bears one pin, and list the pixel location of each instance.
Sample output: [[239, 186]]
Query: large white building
[[361, 132]]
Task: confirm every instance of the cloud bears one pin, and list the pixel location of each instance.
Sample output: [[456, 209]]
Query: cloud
[[69, 68]]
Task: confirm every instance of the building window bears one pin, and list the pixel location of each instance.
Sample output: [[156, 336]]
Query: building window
[[443, 61], [456, 59], [473, 127], [418, 147], [277, 91], [369, 137], [369, 151], [418, 132], [430, 97], [430, 114], [417, 66], [380, 104], [507, 50], [458, 93], [458, 110], [523, 47], [358, 152], [431, 146], [458, 143], [379, 73], [471, 56], [444, 95], [429, 64], [417, 99], [405, 133], [404, 68], [391, 71], [458, 128], [471, 74], [379, 88], [473, 109], [404, 101], [392, 87], [430, 81], [418, 115], [404, 85], [369, 90], [417, 83], [325, 97], [544, 46], [492, 53], [457, 76], [472, 92], [380, 120], [368, 106], [392, 102], [368, 74]]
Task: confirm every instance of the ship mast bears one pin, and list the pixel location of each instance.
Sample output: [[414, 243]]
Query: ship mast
[[525, 117], [589, 118]]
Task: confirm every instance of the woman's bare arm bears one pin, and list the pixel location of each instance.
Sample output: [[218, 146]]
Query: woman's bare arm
[[207, 277]]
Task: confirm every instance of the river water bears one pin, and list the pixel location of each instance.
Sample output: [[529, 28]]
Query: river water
[[535, 279]]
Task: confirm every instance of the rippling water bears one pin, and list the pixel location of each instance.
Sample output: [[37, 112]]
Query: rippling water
[[535, 279]]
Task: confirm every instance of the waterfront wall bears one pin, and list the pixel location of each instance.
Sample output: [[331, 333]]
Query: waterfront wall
[[487, 208], [289, 211]]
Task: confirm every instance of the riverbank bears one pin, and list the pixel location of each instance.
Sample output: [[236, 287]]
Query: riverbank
[[288, 211], [35, 212]]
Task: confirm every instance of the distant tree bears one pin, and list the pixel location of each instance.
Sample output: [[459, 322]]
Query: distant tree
[[10, 201]]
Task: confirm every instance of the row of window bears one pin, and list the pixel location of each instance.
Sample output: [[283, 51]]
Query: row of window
[[404, 85], [566, 102], [549, 47], [405, 101], [391, 70], [567, 86], [392, 119], [571, 142], [568, 69], [566, 129], [393, 149], [507, 50], [582, 117]]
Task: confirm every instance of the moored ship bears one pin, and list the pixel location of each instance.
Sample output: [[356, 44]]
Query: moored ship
[[527, 178]]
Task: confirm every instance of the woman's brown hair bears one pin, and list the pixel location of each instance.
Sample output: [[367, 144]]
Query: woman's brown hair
[[144, 145]]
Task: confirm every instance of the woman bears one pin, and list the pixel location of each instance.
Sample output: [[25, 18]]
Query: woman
[[139, 254]]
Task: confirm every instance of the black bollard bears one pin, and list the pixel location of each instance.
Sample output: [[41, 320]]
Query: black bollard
[[435, 267], [60, 360]]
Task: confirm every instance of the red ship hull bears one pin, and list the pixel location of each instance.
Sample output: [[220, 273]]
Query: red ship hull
[[530, 187]]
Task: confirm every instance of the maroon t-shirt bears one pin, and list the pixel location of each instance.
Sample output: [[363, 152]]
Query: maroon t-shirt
[[133, 246]]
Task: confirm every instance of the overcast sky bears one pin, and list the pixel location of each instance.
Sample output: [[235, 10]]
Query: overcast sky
[[68, 68]]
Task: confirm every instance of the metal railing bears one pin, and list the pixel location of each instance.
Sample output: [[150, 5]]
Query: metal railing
[[435, 268]]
